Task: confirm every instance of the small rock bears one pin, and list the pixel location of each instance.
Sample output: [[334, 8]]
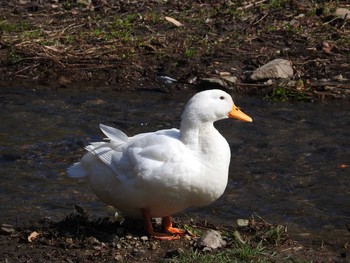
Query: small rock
[[340, 78], [188, 237], [231, 79], [154, 246], [144, 238], [224, 73], [94, 241], [295, 23], [69, 240], [118, 246], [275, 69], [64, 81], [118, 257], [242, 222], [158, 220], [214, 80], [137, 252], [211, 239], [269, 82], [343, 13], [128, 246], [300, 16]]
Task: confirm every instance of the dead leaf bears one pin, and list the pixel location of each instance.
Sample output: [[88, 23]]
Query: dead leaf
[[173, 21], [33, 236]]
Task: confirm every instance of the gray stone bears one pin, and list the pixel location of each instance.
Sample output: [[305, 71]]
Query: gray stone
[[211, 239], [214, 80], [231, 79], [275, 69]]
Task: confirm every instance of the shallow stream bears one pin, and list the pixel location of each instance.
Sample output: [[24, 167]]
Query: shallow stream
[[290, 166]]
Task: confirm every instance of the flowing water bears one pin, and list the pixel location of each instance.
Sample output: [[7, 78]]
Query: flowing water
[[290, 166]]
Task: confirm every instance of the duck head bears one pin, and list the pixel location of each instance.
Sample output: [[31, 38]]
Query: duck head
[[211, 106]]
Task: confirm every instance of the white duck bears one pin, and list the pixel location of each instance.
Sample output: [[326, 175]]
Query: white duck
[[160, 173]]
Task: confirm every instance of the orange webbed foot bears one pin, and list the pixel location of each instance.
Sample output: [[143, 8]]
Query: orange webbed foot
[[168, 227], [172, 233]]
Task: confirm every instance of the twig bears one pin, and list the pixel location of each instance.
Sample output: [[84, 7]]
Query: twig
[[259, 20], [251, 4], [24, 69], [262, 219]]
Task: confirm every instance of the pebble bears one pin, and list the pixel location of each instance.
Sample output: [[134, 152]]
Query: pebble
[[188, 237], [231, 79], [211, 239], [118, 246], [154, 246], [224, 74], [340, 78], [144, 238], [94, 241], [118, 257], [69, 240], [214, 80]]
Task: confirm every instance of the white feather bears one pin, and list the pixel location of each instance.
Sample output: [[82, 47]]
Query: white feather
[[76, 171]]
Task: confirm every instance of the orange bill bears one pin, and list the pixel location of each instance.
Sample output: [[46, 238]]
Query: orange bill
[[238, 114]]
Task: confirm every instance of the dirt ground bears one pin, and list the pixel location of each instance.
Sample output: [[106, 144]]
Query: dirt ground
[[123, 44], [126, 45], [78, 238]]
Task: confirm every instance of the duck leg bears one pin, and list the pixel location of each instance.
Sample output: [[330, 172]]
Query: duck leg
[[149, 228], [168, 226]]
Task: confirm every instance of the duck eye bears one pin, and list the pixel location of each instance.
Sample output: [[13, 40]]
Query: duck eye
[[222, 97]]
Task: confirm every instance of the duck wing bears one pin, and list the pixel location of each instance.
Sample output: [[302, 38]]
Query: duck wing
[[113, 134], [141, 154]]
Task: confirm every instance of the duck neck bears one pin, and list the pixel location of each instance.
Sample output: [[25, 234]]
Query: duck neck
[[194, 133]]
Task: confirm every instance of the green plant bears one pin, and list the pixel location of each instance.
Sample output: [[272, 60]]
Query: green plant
[[246, 251], [237, 254], [33, 33], [286, 94], [189, 53], [8, 27], [276, 4], [123, 28], [13, 58]]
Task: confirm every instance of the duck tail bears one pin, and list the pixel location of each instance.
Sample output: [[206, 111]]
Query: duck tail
[[76, 171]]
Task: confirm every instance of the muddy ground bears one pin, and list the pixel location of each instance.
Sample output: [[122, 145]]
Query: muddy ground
[[124, 45]]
